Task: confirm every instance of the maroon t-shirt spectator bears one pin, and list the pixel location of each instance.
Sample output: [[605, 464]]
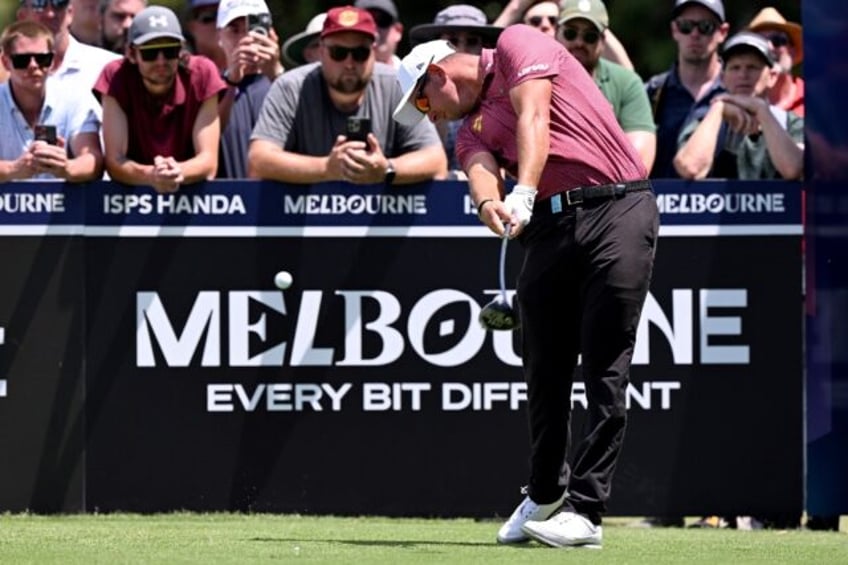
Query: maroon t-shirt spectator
[[587, 145], [160, 125]]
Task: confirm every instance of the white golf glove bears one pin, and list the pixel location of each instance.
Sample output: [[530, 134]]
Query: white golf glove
[[519, 203]]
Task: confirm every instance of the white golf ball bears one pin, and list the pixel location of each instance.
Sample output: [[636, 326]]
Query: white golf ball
[[283, 280]]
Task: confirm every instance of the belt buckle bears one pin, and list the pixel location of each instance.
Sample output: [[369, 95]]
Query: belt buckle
[[574, 196]]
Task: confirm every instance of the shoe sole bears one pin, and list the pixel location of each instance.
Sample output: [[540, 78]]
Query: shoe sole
[[541, 538]]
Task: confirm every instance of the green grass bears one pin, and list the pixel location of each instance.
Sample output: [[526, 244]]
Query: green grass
[[259, 538]]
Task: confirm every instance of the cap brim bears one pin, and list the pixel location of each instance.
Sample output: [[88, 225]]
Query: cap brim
[[427, 32], [294, 46], [405, 112], [144, 38]]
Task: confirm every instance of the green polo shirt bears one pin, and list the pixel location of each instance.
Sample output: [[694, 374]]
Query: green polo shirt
[[626, 93]]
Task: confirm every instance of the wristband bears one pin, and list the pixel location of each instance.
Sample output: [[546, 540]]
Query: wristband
[[483, 203]]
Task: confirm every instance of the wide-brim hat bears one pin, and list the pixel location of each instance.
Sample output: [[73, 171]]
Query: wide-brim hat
[[769, 18], [459, 17], [293, 46]]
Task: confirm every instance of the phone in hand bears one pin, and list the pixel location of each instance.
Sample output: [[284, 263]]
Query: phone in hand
[[44, 132], [259, 23], [358, 129]]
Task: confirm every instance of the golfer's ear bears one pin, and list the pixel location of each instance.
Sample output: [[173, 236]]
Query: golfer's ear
[[436, 71]]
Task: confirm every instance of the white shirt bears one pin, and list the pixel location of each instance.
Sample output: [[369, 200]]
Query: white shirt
[[81, 65]]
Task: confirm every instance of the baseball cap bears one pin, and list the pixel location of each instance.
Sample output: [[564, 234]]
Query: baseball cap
[[202, 3], [715, 6], [459, 17], [348, 18], [152, 23], [228, 10], [412, 68], [748, 41], [385, 5], [294, 45], [592, 10]]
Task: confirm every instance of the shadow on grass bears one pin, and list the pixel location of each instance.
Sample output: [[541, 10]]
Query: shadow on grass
[[389, 543]]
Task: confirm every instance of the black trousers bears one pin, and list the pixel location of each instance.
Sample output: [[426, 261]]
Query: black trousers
[[581, 289]]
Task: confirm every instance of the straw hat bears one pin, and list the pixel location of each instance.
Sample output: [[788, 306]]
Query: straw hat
[[769, 18]]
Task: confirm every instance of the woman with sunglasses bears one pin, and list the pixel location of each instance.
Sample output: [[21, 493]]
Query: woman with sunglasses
[[588, 221], [46, 133], [160, 108], [309, 123]]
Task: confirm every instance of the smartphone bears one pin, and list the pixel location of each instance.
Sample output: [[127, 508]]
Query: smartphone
[[358, 129], [259, 23], [44, 132]]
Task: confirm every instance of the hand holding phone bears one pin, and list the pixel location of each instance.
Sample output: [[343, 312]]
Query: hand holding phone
[[358, 129]]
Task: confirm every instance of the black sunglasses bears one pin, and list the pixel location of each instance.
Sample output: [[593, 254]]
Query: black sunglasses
[[42, 4], [536, 21], [381, 18], [169, 50], [705, 27], [589, 37], [777, 38], [206, 17], [339, 53], [467, 41], [21, 60]]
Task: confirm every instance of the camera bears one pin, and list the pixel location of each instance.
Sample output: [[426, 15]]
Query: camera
[[259, 23], [357, 128]]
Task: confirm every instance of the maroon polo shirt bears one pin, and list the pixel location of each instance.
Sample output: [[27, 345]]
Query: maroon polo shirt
[[160, 125]]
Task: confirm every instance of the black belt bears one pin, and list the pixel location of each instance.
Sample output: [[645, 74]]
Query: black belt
[[583, 194]]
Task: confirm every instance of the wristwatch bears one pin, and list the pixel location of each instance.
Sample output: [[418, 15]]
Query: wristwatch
[[390, 173], [226, 76]]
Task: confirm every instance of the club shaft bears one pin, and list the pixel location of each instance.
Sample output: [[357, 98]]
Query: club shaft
[[502, 263]]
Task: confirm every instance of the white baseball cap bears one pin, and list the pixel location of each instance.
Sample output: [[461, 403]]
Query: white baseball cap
[[411, 69], [228, 10]]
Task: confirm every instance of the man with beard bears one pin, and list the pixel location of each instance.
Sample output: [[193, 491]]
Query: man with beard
[[160, 108], [682, 94], [116, 17], [302, 136]]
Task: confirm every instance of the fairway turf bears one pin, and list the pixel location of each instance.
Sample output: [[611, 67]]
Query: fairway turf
[[265, 538]]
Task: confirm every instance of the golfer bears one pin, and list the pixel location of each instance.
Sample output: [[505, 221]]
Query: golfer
[[588, 221]]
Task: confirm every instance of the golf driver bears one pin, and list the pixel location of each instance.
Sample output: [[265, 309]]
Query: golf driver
[[498, 314]]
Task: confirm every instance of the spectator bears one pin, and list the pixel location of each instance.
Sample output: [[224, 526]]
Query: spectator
[[305, 47], [544, 16], [86, 24], [75, 64], [583, 26], [247, 85], [785, 37], [682, 94], [115, 19], [753, 138], [203, 35], [300, 136], [160, 108], [27, 101], [389, 29], [465, 27]]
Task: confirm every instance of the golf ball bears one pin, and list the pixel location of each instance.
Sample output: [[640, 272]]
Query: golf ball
[[283, 280]]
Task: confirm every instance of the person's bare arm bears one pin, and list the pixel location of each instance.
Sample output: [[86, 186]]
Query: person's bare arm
[[787, 156], [645, 143], [206, 136], [694, 159], [531, 101], [485, 185], [512, 12], [267, 160], [115, 142]]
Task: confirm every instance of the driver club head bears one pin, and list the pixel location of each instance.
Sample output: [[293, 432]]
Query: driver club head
[[498, 315]]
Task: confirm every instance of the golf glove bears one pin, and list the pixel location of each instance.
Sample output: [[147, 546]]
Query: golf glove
[[520, 201]]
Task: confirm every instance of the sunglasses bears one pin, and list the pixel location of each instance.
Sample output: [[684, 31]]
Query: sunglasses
[[466, 41], [169, 50], [705, 27], [536, 21], [206, 17], [381, 18], [42, 4], [422, 102], [778, 38], [21, 60], [589, 37], [338, 53]]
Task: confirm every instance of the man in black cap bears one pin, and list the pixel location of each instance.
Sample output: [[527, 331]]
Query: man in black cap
[[389, 29], [683, 93]]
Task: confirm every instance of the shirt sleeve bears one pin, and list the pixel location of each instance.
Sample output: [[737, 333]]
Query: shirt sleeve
[[276, 118]]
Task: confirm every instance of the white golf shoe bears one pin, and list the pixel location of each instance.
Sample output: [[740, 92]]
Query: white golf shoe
[[511, 532], [565, 529]]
